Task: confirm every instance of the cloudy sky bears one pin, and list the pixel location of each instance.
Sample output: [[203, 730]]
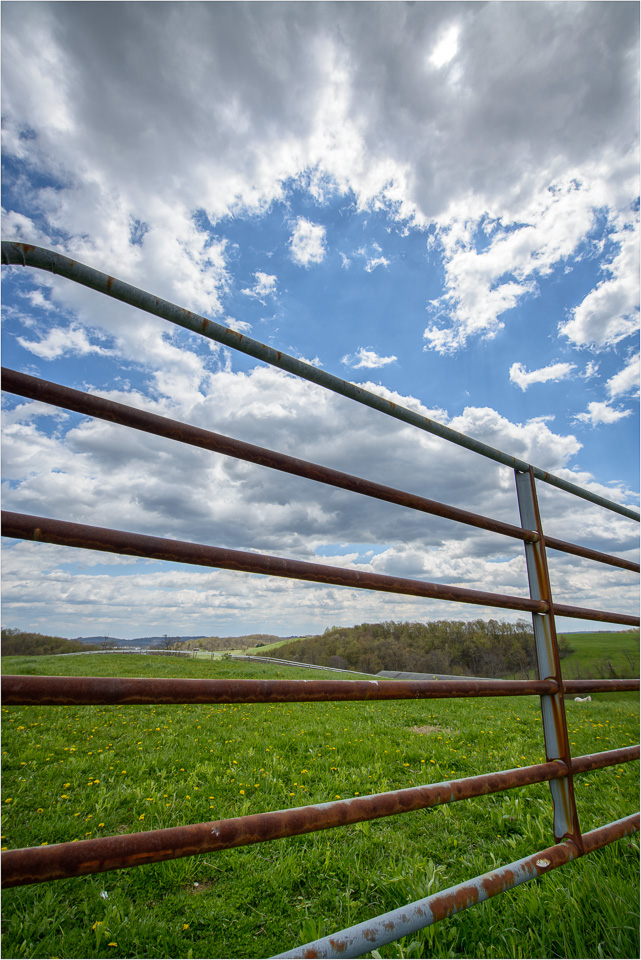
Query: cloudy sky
[[438, 201]]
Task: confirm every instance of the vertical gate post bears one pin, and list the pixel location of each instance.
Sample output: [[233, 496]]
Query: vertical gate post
[[557, 746]]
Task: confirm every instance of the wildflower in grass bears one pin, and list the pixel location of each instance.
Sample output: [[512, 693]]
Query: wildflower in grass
[[98, 923], [112, 944], [185, 926], [141, 817]]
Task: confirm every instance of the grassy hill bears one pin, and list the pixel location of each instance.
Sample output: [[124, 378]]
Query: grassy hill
[[266, 649], [602, 654], [231, 644]]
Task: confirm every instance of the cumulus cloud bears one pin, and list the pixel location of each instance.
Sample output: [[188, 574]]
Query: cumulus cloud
[[601, 412], [610, 312], [445, 155], [485, 280], [307, 242], [626, 380], [264, 286], [507, 129], [137, 482], [60, 342], [555, 372], [591, 370], [366, 357]]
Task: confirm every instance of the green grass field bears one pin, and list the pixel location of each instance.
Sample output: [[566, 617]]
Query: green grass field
[[594, 651], [267, 649], [76, 772]]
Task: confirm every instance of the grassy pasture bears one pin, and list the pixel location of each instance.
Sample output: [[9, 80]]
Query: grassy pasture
[[267, 648], [75, 772], [593, 651]]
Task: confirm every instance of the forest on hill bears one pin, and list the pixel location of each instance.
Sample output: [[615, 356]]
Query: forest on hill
[[16, 643], [228, 643], [477, 648]]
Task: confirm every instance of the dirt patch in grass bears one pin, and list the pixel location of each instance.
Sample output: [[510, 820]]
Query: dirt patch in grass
[[200, 887]]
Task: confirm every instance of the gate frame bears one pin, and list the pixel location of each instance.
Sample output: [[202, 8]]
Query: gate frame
[[35, 865]]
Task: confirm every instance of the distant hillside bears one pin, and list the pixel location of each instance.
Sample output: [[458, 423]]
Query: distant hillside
[[231, 643], [136, 642], [477, 648]]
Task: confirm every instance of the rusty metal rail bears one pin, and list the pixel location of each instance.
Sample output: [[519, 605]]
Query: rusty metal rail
[[45, 530], [365, 937], [121, 691], [40, 864], [75, 859], [29, 255], [45, 391]]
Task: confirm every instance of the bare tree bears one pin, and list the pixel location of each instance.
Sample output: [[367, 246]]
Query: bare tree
[[167, 642]]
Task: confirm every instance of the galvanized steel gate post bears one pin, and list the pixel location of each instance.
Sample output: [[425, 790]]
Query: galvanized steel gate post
[[555, 731]]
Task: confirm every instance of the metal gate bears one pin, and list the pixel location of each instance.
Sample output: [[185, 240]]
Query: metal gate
[[40, 864]]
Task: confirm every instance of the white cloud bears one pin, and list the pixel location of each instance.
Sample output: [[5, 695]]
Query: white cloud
[[307, 242], [264, 286], [554, 371], [240, 325], [375, 262], [610, 312], [598, 412], [482, 285], [59, 343], [137, 482], [496, 151], [293, 90], [366, 358], [626, 380], [258, 97], [591, 370]]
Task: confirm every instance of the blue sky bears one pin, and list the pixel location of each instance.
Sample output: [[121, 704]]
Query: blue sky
[[439, 201]]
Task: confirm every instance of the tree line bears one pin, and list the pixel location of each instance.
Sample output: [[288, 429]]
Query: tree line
[[477, 648], [227, 643], [16, 643]]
